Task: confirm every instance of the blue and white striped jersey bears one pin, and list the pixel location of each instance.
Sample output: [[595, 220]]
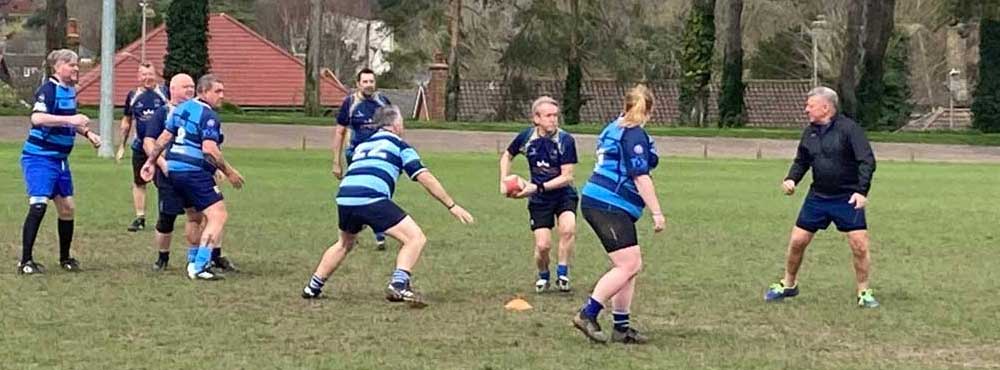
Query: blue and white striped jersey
[[52, 141], [375, 166], [191, 123], [622, 154]]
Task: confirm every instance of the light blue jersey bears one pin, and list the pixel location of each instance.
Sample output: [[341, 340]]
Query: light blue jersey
[[375, 166], [191, 123], [55, 142], [622, 154]]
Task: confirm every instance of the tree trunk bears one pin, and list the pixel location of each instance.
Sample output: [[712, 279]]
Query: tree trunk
[[848, 81], [313, 107], [55, 24], [878, 29], [572, 94], [453, 87], [731, 109]]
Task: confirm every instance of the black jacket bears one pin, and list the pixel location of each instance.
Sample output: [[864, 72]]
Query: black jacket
[[840, 156]]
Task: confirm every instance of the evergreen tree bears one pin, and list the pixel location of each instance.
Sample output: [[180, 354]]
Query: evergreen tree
[[986, 99], [698, 42], [187, 41]]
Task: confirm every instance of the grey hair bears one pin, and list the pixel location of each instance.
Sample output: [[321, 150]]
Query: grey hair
[[207, 81], [826, 93], [386, 116], [61, 55], [542, 100]]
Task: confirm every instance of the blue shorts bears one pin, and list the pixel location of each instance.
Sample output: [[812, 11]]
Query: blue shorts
[[195, 188], [381, 216], [170, 203], [817, 213], [47, 177]]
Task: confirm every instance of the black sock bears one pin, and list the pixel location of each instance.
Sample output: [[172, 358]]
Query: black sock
[[65, 238], [216, 254], [164, 256], [36, 212]]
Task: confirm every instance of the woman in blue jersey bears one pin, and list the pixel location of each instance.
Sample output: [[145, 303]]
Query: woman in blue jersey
[[613, 199]]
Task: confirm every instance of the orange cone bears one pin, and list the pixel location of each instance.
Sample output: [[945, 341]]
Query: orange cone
[[517, 304]]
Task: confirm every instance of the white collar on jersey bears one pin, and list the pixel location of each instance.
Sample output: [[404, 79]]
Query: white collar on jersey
[[57, 82]]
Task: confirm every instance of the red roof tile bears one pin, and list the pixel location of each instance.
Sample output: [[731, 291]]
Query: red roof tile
[[257, 73]]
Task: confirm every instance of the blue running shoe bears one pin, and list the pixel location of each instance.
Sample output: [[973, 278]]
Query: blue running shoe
[[866, 299], [778, 291]]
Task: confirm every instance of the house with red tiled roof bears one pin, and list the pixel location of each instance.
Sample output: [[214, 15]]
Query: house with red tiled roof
[[16, 8], [256, 72]]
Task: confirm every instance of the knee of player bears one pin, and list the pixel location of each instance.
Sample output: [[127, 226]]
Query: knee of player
[[543, 246], [37, 209], [66, 211], [858, 246], [165, 223], [567, 232], [633, 266]]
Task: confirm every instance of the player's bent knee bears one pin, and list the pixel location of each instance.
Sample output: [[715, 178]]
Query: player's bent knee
[[165, 224]]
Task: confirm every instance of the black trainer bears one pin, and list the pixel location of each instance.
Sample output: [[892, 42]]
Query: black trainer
[[224, 265], [159, 265], [30, 268], [629, 336], [309, 293], [70, 264], [590, 328], [138, 224], [404, 294]]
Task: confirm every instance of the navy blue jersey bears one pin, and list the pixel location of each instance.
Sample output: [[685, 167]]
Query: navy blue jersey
[[546, 155], [376, 165], [157, 124], [140, 105], [357, 114], [52, 141], [192, 123], [622, 154]]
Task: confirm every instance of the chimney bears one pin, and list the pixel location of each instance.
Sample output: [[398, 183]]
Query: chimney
[[436, 87], [72, 35]]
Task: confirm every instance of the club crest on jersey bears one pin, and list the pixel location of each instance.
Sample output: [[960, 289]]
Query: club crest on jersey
[[542, 164], [210, 123], [637, 149]]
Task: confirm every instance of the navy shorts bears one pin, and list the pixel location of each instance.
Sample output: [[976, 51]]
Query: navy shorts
[[195, 188], [817, 213], [544, 214], [47, 177], [170, 203], [380, 216]]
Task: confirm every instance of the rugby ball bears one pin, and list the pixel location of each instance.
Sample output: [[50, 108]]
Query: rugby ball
[[513, 184]]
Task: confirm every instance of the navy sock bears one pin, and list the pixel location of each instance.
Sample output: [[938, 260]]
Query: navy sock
[[562, 270], [316, 283], [65, 238], [30, 230], [164, 256], [620, 320], [400, 278], [216, 253], [544, 275], [592, 308]]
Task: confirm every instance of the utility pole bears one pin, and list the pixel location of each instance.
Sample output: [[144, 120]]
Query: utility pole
[[107, 77], [143, 4]]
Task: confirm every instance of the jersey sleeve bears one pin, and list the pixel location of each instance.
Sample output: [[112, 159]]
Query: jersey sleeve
[[45, 99], [212, 128], [411, 161], [127, 110], [518, 143], [568, 154], [343, 118], [637, 153], [172, 123]]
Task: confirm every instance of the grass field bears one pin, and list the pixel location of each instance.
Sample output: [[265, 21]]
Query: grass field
[[935, 240]]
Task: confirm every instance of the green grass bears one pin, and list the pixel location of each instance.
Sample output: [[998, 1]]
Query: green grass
[[297, 118], [699, 297]]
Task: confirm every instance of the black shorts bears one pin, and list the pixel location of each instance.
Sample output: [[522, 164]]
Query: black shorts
[[543, 215], [138, 159], [381, 216], [616, 229], [818, 212], [170, 203]]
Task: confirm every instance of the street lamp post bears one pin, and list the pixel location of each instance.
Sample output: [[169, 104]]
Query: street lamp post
[[143, 4], [817, 26]]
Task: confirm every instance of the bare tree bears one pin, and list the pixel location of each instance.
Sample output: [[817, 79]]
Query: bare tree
[[848, 81], [313, 107], [55, 24]]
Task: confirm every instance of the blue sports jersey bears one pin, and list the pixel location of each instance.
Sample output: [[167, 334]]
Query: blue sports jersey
[[357, 114], [376, 165], [52, 141], [191, 123], [141, 104], [546, 155], [622, 154]]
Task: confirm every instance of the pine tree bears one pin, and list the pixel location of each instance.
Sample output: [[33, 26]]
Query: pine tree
[[986, 99], [187, 41]]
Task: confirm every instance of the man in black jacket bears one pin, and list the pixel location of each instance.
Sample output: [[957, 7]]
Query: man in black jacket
[[842, 163]]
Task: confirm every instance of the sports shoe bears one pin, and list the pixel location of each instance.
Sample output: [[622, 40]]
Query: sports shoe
[[777, 292], [309, 293], [159, 265], [204, 274], [590, 328], [224, 265], [866, 299], [138, 224], [379, 244], [70, 264], [563, 283], [541, 285], [404, 294], [30, 268], [629, 336]]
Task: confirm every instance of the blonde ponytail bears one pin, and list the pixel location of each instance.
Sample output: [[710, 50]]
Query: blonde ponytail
[[638, 106]]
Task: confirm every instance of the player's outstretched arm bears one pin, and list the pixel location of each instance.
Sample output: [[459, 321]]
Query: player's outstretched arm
[[51, 120], [434, 187]]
